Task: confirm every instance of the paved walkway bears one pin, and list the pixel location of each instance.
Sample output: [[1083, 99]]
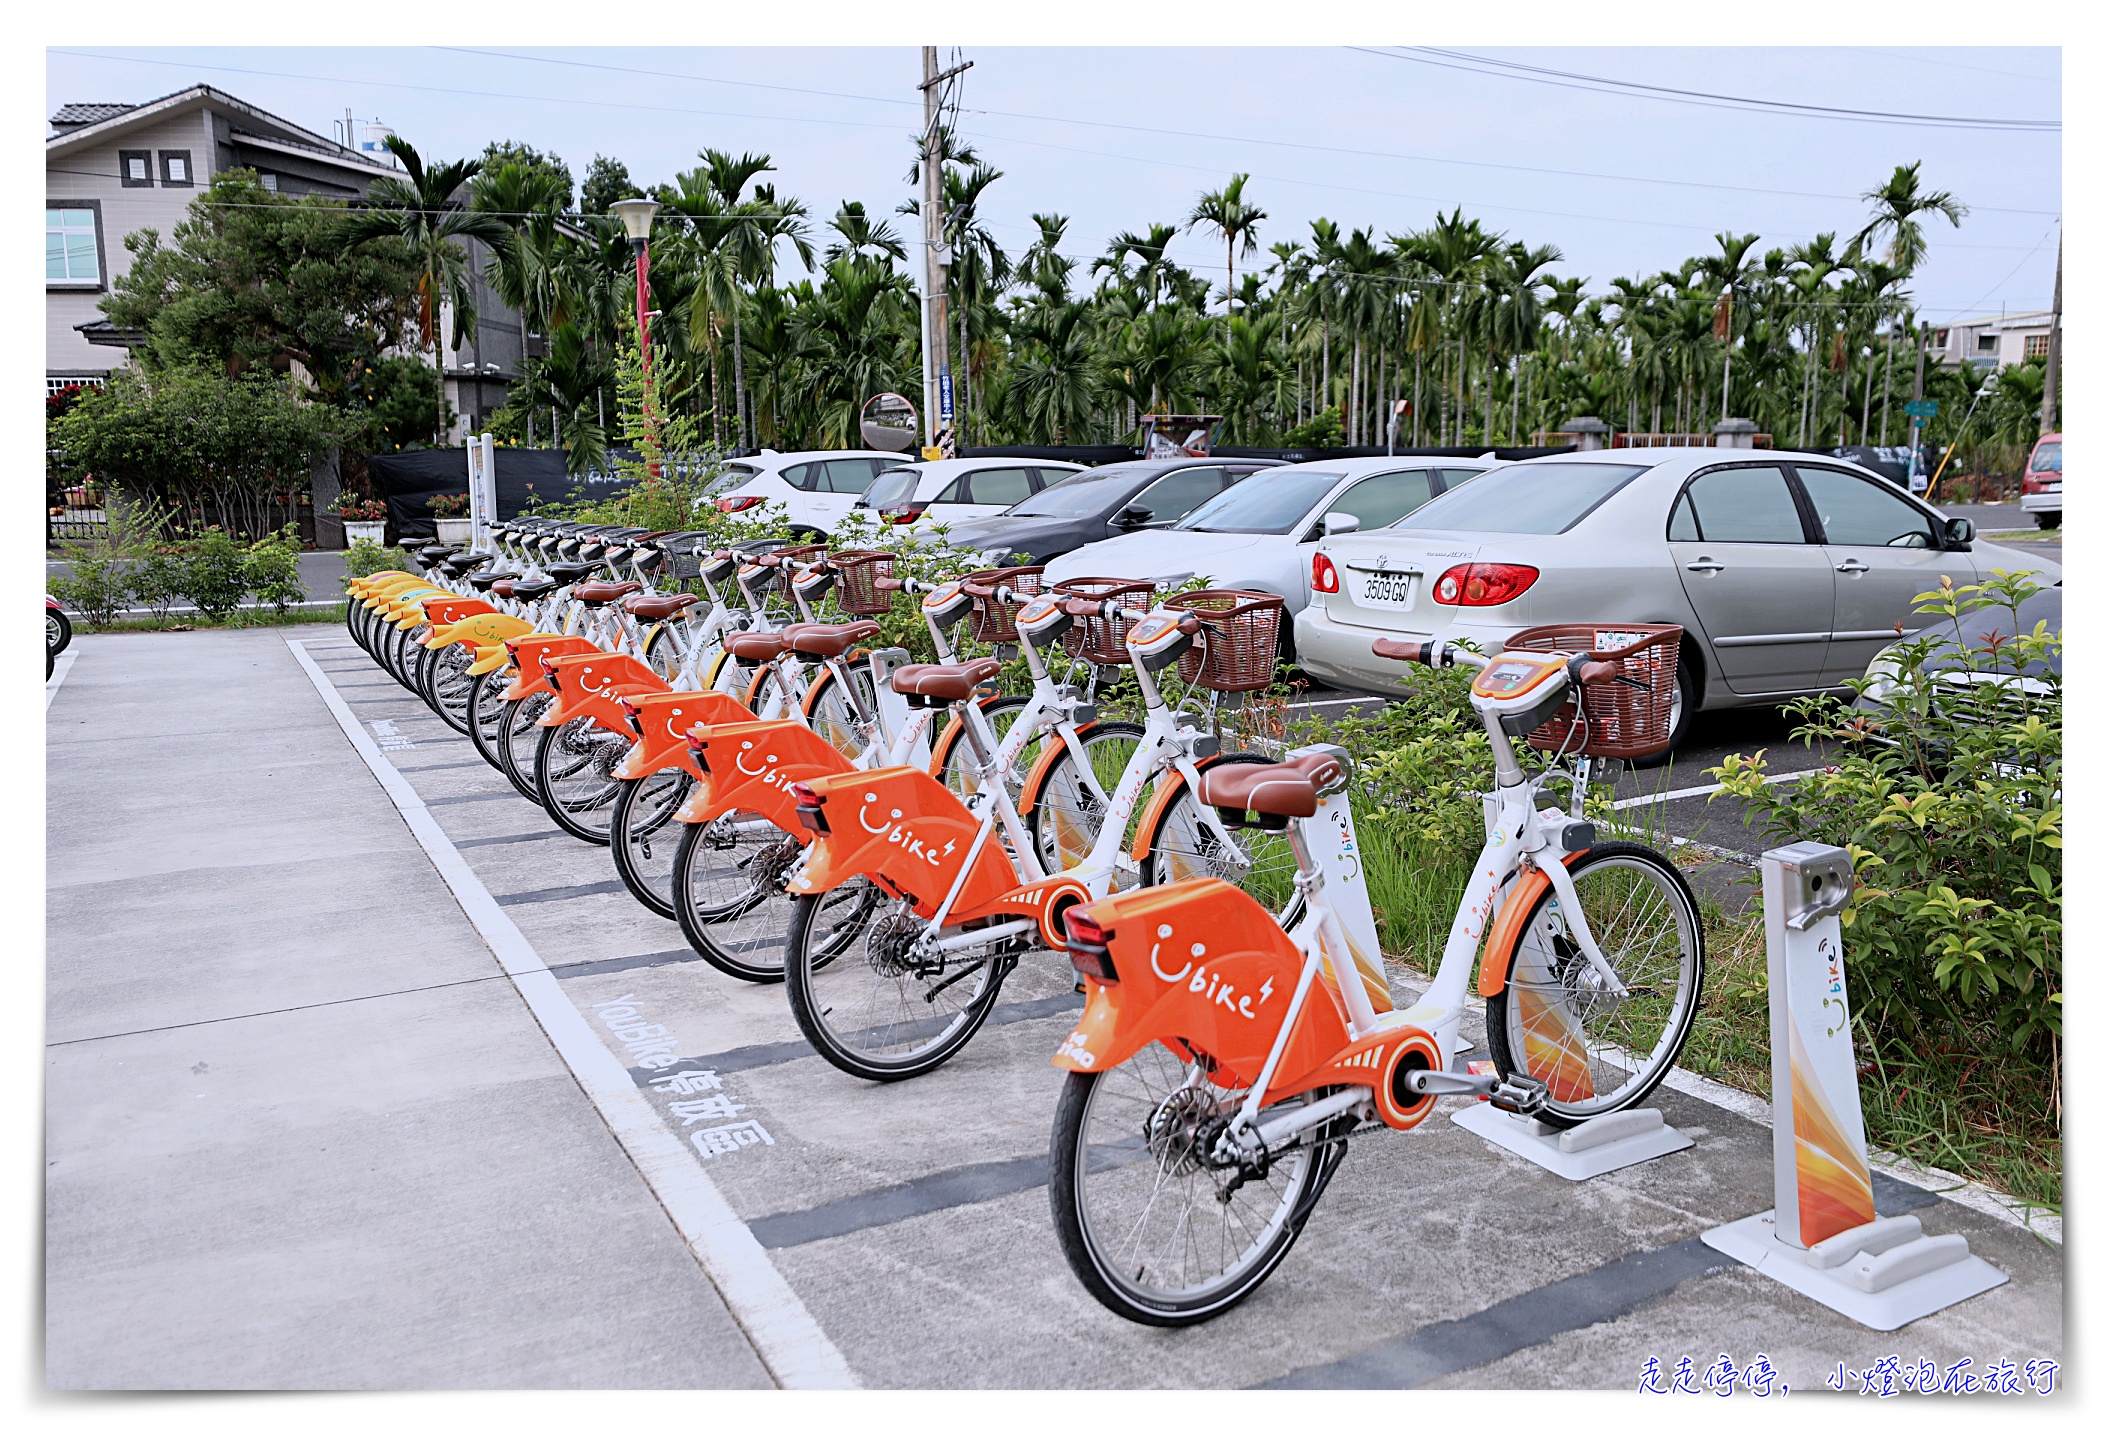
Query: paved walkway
[[305, 1132], [301, 1130]]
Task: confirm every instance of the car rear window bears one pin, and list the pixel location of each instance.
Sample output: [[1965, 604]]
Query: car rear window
[[1082, 493], [1526, 498]]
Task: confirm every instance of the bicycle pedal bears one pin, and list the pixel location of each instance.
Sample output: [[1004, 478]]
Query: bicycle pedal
[[1523, 1095]]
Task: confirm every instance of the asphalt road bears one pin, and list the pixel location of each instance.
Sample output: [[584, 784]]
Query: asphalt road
[[909, 1220]]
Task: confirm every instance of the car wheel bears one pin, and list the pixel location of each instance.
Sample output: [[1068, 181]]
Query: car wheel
[[2048, 521], [1683, 710]]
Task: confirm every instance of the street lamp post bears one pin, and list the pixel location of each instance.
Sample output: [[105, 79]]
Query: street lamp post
[[636, 216]]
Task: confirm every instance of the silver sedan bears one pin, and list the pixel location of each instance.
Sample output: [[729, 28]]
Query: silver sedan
[[1787, 571]]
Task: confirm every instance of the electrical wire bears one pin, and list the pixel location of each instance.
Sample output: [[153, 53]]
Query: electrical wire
[[1596, 84]]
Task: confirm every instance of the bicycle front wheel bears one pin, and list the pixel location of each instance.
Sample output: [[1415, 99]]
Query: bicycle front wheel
[[875, 1000], [1185, 845], [519, 735], [486, 715], [1069, 810], [1560, 1022], [447, 683], [1154, 1224], [728, 893]]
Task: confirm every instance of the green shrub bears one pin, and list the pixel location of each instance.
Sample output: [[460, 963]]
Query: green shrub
[[365, 556], [1952, 806], [212, 573], [271, 570], [100, 582]]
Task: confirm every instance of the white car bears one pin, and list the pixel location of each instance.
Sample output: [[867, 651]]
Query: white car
[[817, 486], [1261, 533], [920, 496]]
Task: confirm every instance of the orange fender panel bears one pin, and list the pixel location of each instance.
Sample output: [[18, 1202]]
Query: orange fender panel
[[908, 832], [530, 652], [663, 720], [442, 611], [1200, 963], [1374, 1061], [749, 767], [1507, 928], [586, 687]]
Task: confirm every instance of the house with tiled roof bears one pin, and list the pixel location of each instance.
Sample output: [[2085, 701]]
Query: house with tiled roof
[[113, 168]]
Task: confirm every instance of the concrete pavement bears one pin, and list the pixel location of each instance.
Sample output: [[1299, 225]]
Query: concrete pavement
[[911, 1219], [301, 1131]]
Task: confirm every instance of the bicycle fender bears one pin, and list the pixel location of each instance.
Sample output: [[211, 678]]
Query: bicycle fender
[[908, 833], [1169, 784], [749, 766], [1506, 931], [1199, 966], [529, 653], [663, 721]]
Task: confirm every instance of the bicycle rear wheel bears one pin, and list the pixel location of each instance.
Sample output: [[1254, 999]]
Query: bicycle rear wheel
[[1556, 1018], [728, 893], [1154, 1225], [447, 682], [1064, 821], [519, 736], [644, 838], [873, 1002], [574, 775], [486, 715], [1259, 860]]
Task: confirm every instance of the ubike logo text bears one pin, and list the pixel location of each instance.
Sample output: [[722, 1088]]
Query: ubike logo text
[[1199, 980], [771, 776], [901, 836]]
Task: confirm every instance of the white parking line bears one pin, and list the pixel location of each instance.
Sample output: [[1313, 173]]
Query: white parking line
[[797, 1353], [1645, 798], [61, 666]]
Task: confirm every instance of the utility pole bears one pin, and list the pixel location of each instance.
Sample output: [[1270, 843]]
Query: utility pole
[[1917, 393], [2056, 347], [936, 349]]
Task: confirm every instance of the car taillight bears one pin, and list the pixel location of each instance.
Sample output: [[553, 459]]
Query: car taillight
[[2031, 485], [738, 504], [899, 516], [1324, 578], [1482, 585], [1089, 946], [809, 814]]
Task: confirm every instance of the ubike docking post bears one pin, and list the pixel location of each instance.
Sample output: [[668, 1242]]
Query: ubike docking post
[[1822, 1237], [1589, 1149]]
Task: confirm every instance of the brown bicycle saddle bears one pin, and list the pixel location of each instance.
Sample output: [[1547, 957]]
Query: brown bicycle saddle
[[1280, 790], [953, 682]]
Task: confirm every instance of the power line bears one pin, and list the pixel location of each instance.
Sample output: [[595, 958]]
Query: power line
[[1346, 150], [1595, 84]]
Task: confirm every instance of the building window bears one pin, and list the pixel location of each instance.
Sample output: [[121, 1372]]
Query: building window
[[1987, 343], [2038, 346], [72, 247], [175, 167], [57, 384], [1939, 339], [135, 169], [269, 181]]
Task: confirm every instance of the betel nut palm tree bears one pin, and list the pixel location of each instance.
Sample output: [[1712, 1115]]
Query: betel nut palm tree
[[1228, 213], [421, 208]]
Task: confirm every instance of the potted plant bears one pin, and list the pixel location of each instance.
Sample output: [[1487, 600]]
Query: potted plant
[[363, 518], [450, 512]]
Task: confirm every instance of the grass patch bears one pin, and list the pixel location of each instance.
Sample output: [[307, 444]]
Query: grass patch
[[328, 611], [2036, 534], [1975, 1110]]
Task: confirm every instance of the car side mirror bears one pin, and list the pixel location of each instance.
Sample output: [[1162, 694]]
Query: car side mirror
[[1341, 524], [1960, 534], [1133, 516]]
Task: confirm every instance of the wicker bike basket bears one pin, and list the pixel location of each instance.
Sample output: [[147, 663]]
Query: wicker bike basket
[[993, 620], [1103, 640], [1239, 641], [1617, 720], [858, 571]]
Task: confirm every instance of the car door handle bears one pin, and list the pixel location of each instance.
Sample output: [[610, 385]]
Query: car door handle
[[1705, 565], [1852, 565]]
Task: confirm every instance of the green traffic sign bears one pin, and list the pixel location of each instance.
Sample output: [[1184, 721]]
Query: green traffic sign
[[1922, 408]]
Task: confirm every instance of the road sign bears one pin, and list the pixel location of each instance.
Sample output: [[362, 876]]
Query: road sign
[[1922, 408]]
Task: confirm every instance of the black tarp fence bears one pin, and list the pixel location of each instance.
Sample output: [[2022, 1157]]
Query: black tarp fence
[[407, 479]]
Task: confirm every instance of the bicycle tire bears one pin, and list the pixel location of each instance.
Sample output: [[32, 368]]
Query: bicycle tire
[[1063, 824], [1001, 713], [1551, 987], [728, 894], [1149, 1146], [448, 684], [519, 738], [1180, 847], [572, 777], [639, 838], [851, 1021], [486, 714]]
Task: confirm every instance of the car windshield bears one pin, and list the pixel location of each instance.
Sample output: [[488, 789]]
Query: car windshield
[[1272, 502], [893, 487], [1526, 498], [2049, 459], [1080, 494]]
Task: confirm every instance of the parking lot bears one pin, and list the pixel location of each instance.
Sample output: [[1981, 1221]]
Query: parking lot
[[350, 1013]]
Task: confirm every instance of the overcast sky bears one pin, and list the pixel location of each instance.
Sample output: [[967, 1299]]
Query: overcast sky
[[1623, 184]]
